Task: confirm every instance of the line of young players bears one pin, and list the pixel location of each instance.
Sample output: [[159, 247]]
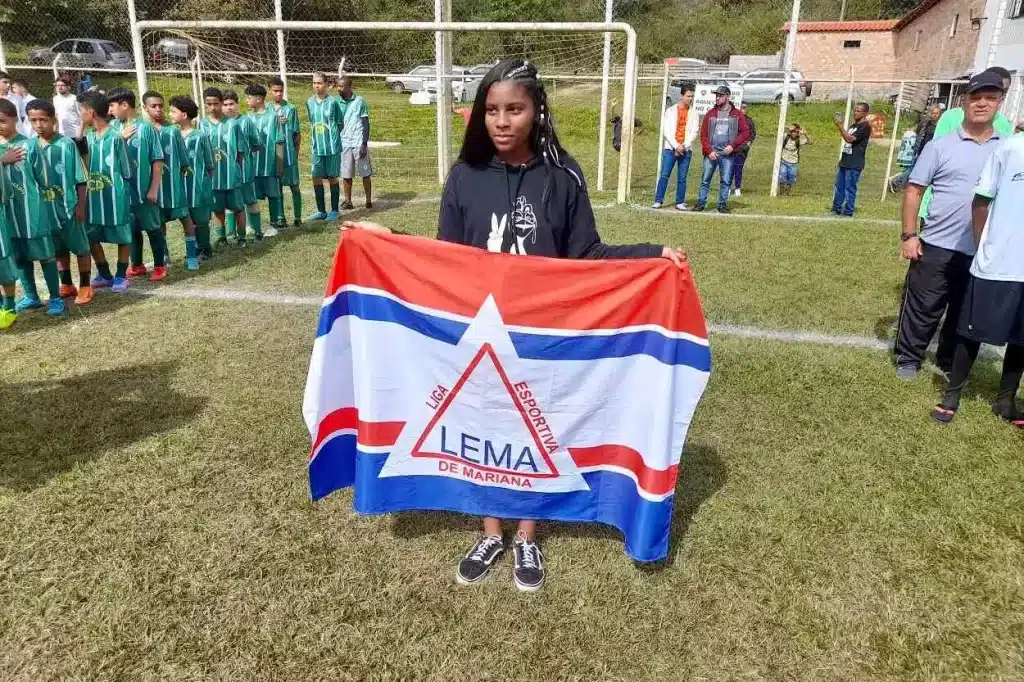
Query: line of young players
[[124, 178]]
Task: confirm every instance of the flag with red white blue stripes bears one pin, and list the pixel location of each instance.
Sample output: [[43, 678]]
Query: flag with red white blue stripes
[[445, 377]]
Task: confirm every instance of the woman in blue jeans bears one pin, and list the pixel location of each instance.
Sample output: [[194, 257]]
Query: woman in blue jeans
[[678, 131]]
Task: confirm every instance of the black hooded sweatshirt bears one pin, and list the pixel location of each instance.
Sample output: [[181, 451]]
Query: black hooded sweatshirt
[[501, 208]]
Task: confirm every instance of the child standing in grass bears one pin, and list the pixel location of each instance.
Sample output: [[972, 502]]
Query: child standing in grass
[[8, 268], [325, 120], [227, 146], [795, 139], [199, 178], [108, 209], [267, 181], [250, 147], [26, 210], [64, 194], [511, 143], [289, 138]]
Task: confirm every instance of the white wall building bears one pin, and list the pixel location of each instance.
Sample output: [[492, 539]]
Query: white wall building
[[1001, 43]]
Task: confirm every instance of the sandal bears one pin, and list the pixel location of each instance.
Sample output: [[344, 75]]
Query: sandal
[[1015, 419], [942, 415]]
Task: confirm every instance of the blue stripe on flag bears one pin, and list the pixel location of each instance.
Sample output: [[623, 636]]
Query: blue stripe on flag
[[382, 309]]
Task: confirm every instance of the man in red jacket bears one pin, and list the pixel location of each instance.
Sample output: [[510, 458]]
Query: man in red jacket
[[722, 131]]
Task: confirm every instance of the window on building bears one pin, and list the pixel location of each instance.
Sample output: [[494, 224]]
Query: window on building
[[1016, 8], [851, 44], [917, 38], [954, 25]]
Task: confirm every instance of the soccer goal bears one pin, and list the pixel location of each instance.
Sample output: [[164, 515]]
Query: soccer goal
[[415, 77]]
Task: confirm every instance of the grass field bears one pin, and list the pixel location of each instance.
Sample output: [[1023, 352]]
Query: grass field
[[155, 521]]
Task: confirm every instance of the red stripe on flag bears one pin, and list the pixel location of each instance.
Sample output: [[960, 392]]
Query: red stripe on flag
[[654, 481], [530, 291], [375, 434]]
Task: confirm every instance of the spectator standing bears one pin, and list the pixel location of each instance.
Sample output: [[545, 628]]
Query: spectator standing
[[7, 92], [851, 161], [940, 254], [795, 140], [743, 151], [69, 117], [678, 132], [722, 131], [85, 83]]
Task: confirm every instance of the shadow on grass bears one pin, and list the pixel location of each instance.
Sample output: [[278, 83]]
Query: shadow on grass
[[51, 426], [702, 474]]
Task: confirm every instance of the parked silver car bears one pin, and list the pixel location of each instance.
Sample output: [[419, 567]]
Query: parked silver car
[[766, 85], [86, 52], [412, 81]]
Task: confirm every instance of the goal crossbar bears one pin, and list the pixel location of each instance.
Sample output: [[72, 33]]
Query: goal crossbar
[[629, 94]]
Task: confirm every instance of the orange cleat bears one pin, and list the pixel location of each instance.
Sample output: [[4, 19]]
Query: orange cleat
[[68, 290], [138, 271], [159, 274], [85, 296]]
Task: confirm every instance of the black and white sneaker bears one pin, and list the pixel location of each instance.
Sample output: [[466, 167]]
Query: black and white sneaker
[[477, 563], [529, 570]]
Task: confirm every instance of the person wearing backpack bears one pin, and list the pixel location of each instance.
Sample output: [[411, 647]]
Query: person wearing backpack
[[795, 139]]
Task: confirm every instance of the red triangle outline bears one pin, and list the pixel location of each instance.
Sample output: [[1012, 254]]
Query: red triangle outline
[[485, 350]]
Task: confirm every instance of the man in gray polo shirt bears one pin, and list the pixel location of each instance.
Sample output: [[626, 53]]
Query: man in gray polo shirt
[[940, 254]]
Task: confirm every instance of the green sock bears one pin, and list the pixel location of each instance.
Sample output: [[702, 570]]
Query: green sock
[[158, 243], [296, 203], [335, 196], [318, 193], [136, 247], [122, 270], [8, 303], [65, 278], [52, 279], [27, 277], [276, 210], [231, 225], [254, 222], [203, 237], [103, 268], [190, 247]]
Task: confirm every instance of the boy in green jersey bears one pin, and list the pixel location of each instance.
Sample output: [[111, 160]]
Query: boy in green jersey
[[64, 196], [8, 269], [199, 180], [289, 138], [147, 165], [251, 145], [28, 215], [227, 145], [177, 167], [266, 167], [325, 118], [108, 217]]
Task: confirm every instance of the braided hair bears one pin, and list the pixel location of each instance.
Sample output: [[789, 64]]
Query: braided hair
[[477, 147]]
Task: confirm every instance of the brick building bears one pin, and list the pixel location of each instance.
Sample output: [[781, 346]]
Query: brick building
[[936, 40]]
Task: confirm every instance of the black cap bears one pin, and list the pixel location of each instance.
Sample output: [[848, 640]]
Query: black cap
[[723, 90], [986, 80]]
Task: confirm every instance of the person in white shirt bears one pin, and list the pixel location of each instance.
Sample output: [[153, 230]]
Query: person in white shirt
[[6, 92], [993, 308], [66, 105], [679, 128]]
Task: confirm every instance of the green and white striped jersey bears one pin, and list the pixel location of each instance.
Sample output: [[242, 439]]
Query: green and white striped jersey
[[63, 172], [110, 179], [251, 140], [25, 206], [144, 150], [265, 160], [324, 125], [287, 129], [199, 181], [6, 228], [176, 166], [226, 143]]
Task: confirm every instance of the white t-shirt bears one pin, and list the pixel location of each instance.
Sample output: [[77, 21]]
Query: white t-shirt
[[68, 114], [24, 127], [1001, 250]]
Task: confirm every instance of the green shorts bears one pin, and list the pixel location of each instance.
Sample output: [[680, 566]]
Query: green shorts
[[326, 166], [171, 214], [267, 187], [8, 270], [71, 237], [248, 193], [290, 176], [201, 215], [110, 234], [28, 249], [147, 217], [227, 200]]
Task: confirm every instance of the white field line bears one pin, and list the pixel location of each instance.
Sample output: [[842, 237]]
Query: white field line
[[670, 211]]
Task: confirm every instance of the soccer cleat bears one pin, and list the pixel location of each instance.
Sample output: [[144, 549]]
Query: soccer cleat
[[137, 271], [159, 274], [192, 264], [271, 232], [477, 563], [242, 244], [528, 573], [85, 296], [7, 318], [100, 282], [27, 303], [56, 307], [296, 223], [120, 285], [332, 216], [221, 241], [68, 291], [318, 216], [258, 236]]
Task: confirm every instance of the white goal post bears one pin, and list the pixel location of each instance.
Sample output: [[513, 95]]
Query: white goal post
[[629, 75]]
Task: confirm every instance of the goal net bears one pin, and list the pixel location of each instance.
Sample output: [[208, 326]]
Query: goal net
[[394, 70]]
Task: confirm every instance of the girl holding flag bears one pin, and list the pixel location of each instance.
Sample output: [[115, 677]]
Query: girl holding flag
[[512, 162]]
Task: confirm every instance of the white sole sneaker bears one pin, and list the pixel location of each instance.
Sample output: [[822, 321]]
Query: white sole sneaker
[[520, 587], [656, 205], [270, 232]]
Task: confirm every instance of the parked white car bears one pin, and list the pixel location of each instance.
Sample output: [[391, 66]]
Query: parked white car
[[417, 78], [766, 85]]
